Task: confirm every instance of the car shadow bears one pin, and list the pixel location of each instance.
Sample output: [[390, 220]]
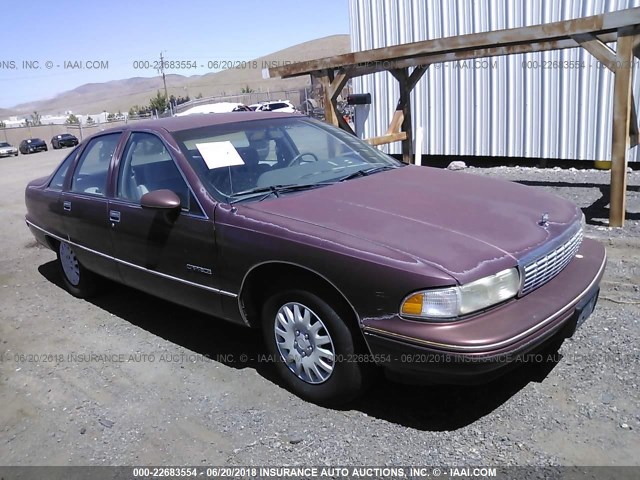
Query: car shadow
[[431, 408], [448, 407], [598, 210], [230, 344]]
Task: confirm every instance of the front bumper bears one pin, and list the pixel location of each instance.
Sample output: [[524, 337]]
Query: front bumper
[[8, 153], [486, 345]]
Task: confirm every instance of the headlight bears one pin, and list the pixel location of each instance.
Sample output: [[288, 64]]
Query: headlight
[[452, 302]]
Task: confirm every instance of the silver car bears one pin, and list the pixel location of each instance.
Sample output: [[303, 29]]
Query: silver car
[[6, 150]]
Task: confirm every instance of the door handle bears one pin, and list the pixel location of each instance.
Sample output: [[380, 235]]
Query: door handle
[[114, 216], [66, 205]]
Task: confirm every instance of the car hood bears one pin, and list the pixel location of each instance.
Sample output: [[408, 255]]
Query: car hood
[[467, 225]]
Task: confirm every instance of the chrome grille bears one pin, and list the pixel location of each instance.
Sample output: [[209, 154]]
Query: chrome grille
[[544, 268]]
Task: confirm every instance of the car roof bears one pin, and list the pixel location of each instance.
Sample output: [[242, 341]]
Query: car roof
[[176, 124]]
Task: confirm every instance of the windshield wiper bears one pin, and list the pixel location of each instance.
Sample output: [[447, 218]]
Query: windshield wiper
[[275, 190], [367, 172]]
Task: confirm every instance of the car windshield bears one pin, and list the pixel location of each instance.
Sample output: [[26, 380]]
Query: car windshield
[[256, 159], [4, 144]]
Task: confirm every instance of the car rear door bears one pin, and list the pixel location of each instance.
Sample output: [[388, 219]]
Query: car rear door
[[86, 208], [173, 256]]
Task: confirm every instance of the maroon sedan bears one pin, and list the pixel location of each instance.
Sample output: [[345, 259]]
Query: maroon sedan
[[344, 257]]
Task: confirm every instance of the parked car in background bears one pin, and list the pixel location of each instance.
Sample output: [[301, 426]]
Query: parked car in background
[[220, 107], [32, 145], [64, 140], [347, 259], [281, 106], [7, 150]]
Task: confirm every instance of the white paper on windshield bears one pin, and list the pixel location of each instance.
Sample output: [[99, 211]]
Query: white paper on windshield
[[219, 154]]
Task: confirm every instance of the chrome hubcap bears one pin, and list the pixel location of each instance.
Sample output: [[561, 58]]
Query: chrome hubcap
[[304, 343], [70, 264]]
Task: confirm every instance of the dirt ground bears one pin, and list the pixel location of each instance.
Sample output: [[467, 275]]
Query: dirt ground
[[128, 379]]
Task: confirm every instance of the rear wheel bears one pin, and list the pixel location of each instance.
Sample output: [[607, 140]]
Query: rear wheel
[[78, 281], [314, 350]]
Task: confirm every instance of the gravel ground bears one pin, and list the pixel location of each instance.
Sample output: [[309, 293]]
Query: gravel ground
[[170, 386]]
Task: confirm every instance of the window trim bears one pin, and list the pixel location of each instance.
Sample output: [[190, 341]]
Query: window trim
[[79, 162], [71, 158], [121, 161]]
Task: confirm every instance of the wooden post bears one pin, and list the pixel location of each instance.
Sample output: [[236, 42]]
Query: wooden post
[[608, 58], [406, 83], [330, 114], [404, 105], [407, 123], [621, 127], [340, 80]]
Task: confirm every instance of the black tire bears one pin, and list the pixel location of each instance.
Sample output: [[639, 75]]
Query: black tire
[[15, 154], [46, 149], [85, 284], [348, 378]]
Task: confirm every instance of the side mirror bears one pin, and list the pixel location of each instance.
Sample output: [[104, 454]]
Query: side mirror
[[160, 200]]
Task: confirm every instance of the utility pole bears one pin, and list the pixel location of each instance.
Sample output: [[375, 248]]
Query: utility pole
[[164, 80]]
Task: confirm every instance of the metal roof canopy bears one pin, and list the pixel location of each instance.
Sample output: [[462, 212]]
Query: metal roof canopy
[[408, 62]]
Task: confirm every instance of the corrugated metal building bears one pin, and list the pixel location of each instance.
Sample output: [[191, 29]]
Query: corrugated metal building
[[555, 104]]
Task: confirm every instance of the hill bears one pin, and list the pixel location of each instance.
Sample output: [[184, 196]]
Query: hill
[[120, 95]]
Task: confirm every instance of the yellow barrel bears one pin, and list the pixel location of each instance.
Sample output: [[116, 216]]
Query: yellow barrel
[[603, 164]]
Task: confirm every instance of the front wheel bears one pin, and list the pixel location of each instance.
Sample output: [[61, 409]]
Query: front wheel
[[314, 350], [78, 281]]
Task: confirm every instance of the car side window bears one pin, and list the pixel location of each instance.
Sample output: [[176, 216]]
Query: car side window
[[91, 173], [147, 166], [57, 181]]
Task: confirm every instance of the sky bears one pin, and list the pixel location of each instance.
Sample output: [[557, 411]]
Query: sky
[[45, 42]]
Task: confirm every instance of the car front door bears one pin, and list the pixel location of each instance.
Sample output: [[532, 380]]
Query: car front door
[[171, 256], [85, 207]]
